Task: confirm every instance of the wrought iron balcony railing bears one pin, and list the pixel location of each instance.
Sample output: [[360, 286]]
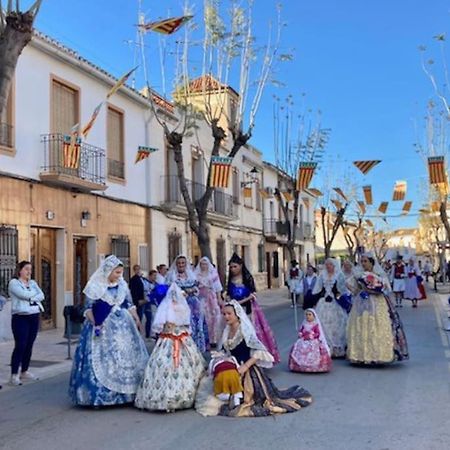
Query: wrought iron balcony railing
[[81, 165], [221, 203]]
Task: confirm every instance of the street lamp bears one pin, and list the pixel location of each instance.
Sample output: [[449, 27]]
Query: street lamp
[[253, 178]]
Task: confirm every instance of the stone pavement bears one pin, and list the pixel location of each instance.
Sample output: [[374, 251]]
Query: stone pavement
[[50, 352]]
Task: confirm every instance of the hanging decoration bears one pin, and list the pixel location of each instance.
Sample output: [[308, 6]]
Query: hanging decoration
[[247, 191], [166, 26], [383, 207], [366, 166], [341, 193], [120, 82], [337, 204], [362, 206], [288, 196], [369, 223], [314, 192], [220, 171], [305, 174], [71, 151], [436, 170], [407, 207], [399, 191], [368, 194], [143, 153], [87, 128]]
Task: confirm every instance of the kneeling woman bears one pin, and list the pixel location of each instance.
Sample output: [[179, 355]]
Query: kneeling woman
[[111, 355], [176, 365], [260, 397], [375, 333]]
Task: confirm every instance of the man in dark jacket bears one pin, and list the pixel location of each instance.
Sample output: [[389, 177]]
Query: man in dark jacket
[[139, 287]]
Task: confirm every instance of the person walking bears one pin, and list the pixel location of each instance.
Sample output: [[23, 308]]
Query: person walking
[[140, 287], [295, 283], [27, 298], [398, 275]]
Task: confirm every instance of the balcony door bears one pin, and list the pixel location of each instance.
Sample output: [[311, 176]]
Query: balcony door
[[43, 259]]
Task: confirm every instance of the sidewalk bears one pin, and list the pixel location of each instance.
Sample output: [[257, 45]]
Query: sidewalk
[[442, 309], [50, 349]]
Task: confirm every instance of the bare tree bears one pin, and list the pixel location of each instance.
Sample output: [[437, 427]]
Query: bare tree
[[16, 30], [228, 50]]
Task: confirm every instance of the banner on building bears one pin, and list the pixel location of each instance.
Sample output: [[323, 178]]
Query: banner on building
[[220, 171], [366, 166], [305, 175]]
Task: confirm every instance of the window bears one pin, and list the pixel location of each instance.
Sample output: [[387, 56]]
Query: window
[[236, 186], [6, 125], [174, 246], [261, 258], [115, 144], [120, 246], [143, 257], [64, 107], [8, 256], [275, 265]]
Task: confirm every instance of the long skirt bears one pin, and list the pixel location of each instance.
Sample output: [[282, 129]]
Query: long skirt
[[264, 332], [102, 374], [172, 374], [334, 323], [212, 314], [199, 328], [309, 356], [375, 333], [261, 398], [411, 289]]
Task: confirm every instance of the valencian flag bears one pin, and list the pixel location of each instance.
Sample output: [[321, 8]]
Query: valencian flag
[[85, 130], [362, 206], [220, 171], [120, 82], [337, 203], [305, 174], [167, 26], [366, 166], [406, 207], [368, 194], [436, 170], [383, 207], [399, 191], [143, 153], [339, 191], [71, 151]]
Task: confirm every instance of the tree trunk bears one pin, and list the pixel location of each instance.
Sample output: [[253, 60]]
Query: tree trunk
[[14, 37], [203, 237], [444, 218]]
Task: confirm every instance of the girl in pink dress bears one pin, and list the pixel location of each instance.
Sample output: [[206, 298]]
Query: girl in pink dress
[[311, 352], [210, 288]]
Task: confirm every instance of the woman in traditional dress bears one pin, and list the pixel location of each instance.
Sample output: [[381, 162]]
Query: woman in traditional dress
[[309, 281], [176, 365], [181, 273], [398, 277], [375, 333], [261, 397], [412, 291], [311, 352], [111, 355], [241, 287], [345, 300], [329, 287], [210, 289]]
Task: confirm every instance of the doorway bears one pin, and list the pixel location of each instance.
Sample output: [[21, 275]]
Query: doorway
[[268, 270], [43, 259], [80, 269]]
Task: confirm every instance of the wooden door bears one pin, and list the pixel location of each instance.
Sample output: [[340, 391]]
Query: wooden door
[[43, 259], [80, 269], [268, 270]]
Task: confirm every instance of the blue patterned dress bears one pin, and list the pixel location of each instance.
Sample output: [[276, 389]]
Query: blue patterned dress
[[199, 328], [108, 365]]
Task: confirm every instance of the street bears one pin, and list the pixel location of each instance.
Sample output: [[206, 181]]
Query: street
[[403, 406]]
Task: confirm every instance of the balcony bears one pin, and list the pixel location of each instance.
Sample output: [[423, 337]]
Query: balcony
[[304, 232], [275, 229], [6, 135], [81, 167], [220, 206]]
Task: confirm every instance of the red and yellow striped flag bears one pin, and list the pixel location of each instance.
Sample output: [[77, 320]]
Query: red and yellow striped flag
[[120, 82], [167, 26], [305, 174], [220, 171], [368, 194], [436, 170], [383, 207], [143, 153], [339, 191], [337, 204], [362, 206], [399, 191], [85, 130], [366, 166], [406, 207], [247, 192], [71, 151], [314, 192]]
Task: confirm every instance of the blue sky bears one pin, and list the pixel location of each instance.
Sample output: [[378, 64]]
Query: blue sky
[[358, 61]]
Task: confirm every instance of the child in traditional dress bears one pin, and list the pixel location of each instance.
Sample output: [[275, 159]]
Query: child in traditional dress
[[227, 380], [311, 352]]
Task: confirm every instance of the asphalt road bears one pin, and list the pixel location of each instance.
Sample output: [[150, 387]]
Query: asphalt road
[[402, 406]]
